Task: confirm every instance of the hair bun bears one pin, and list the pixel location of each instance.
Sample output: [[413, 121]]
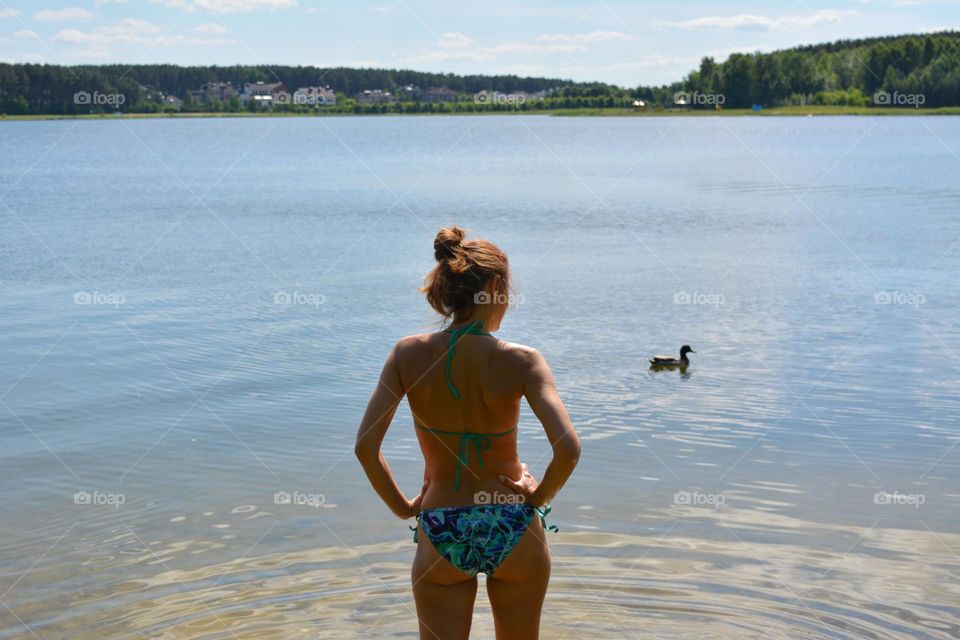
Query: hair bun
[[447, 242]]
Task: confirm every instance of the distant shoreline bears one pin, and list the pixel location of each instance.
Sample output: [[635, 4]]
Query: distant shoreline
[[579, 112]]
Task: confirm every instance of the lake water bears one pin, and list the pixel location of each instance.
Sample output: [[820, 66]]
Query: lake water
[[194, 313]]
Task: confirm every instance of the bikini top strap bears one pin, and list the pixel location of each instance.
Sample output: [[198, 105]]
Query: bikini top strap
[[475, 329]]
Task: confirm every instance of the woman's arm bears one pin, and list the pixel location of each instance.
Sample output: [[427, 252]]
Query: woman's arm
[[376, 419], [540, 391]]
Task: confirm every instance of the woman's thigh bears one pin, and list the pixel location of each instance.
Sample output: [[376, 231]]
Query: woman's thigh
[[518, 586], [444, 595]]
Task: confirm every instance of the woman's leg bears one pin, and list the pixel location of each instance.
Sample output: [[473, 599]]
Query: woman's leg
[[444, 595], [518, 586]]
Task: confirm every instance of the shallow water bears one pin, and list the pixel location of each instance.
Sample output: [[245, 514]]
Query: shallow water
[[810, 262]]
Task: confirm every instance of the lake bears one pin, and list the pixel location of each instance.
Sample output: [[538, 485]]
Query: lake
[[195, 312]]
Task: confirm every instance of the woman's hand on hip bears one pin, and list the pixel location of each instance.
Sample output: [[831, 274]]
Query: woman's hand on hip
[[526, 486], [413, 506]]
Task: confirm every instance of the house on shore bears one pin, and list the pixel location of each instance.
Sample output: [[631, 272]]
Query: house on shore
[[315, 96], [376, 96], [221, 91], [413, 93], [264, 94], [438, 94], [173, 101]]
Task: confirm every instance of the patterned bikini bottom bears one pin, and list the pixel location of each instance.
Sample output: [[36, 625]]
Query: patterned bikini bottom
[[477, 539]]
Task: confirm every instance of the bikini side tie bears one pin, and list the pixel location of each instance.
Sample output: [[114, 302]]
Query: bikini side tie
[[542, 512]]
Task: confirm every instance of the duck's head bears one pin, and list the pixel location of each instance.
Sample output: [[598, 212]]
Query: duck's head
[[685, 349]]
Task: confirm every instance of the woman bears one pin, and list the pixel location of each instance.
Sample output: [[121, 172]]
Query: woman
[[479, 510]]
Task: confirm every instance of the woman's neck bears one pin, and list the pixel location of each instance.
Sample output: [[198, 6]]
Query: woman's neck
[[491, 323]]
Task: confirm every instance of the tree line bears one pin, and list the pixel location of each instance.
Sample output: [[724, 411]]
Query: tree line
[[916, 70], [912, 70]]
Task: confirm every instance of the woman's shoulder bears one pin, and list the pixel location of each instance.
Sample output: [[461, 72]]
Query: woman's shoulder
[[520, 354], [411, 343]]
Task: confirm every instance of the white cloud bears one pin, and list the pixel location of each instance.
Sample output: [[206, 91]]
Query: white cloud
[[32, 57], [454, 40], [211, 27], [100, 3], [490, 54], [60, 15], [229, 6], [522, 47], [128, 26], [6, 12], [593, 36], [90, 54], [24, 33], [455, 56], [743, 21], [750, 22], [131, 31], [817, 18]]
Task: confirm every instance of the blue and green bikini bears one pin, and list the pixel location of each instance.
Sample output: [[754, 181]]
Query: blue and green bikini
[[478, 538]]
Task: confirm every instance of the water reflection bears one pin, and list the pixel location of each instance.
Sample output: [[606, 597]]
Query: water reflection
[[682, 369], [690, 573]]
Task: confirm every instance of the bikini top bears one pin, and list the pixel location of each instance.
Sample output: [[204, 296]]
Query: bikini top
[[479, 442]]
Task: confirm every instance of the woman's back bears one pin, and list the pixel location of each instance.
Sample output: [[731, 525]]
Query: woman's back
[[488, 377]]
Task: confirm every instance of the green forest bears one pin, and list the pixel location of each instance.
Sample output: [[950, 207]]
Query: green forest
[[921, 71]]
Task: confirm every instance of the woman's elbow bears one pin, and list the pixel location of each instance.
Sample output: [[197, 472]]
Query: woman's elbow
[[365, 451], [568, 450]]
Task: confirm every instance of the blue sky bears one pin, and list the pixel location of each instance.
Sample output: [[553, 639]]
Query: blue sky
[[618, 41]]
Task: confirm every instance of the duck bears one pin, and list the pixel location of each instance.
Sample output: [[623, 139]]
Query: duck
[[670, 361]]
